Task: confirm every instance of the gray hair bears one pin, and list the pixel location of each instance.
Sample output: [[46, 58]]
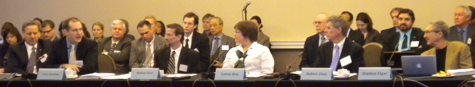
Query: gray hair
[[440, 26], [339, 22], [468, 12], [118, 21], [219, 19]]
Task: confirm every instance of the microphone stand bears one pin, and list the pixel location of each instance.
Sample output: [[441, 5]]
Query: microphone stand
[[288, 75]]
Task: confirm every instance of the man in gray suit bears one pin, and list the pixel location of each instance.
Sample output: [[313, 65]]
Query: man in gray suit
[[220, 43], [141, 53], [462, 30], [117, 46]]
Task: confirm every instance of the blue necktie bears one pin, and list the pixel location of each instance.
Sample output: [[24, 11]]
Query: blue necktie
[[336, 58]]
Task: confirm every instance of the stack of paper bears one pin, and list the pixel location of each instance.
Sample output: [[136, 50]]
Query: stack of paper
[[461, 72], [179, 75], [123, 76], [96, 75]]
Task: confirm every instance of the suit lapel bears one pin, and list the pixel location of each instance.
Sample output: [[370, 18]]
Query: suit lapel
[[329, 56], [24, 52], [450, 56], [63, 50], [107, 45], [80, 49], [194, 40], [165, 59], [181, 60]]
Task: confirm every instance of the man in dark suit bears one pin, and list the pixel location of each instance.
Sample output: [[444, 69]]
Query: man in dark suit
[[75, 51], [386, 33], [141, 53], [117, 46], [220, 43], [29, 55], [352, 35], [126, 26], [462, 30], [312, 43], [176, 58], [194, 40], [48, 30], [206, 24], [339, 48]]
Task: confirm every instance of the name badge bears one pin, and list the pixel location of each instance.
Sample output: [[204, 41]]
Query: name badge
[[414, 43], [79, 62], [196, 49], [183, 67], [224, 47], [469, 41], [374, 73], [316, 74], [230, 74], [50, 74], [43, 58], [145, 73], [117, 51], [345, 61]]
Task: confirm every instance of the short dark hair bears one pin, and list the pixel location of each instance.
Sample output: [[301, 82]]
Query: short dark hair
[[7, 26], [258, 19], [15, 33], [248, 29], [28, 23], [98, 24], [395, 9], [208, 15], [409, 12], [126, 26], [47, 23], [162, 26], [38, 19], [178, 29], [144, 22], [349, 13], [65, 24], [473, 12], [195, 20], [366, 19]]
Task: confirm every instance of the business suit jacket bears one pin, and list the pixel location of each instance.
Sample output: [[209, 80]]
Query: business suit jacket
[[352, 49], [220, 54], [86, 50], [458, 55], [200, 42], [132, 37], [453, 34], [389, 42], [355, 36], [18, 56], [3, 53], [263, 39], [120, 54], [138, 50], [187, 57], [371, 36], [310, 51]]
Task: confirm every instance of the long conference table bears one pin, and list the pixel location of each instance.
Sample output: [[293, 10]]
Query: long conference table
[[250, 82]]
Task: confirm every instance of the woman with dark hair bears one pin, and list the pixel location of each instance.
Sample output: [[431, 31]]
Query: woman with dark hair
[[255, 58], [161, 28], [98, 31], [365, 26], [85, 32], [261, 37], [11, 36]]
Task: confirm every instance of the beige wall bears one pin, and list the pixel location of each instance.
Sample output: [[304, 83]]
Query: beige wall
[[283, 20]]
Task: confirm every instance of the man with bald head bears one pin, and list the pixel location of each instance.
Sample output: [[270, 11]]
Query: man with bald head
[[313, 42]]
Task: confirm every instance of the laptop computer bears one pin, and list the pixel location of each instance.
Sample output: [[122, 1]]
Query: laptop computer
[[416, 65]]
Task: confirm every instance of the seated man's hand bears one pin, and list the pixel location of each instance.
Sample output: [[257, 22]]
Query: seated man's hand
[[217, 64], [72, 67]]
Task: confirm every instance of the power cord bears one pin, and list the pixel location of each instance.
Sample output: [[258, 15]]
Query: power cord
[[416, 82], [103, 83], [128, 82], [295, 85], [462, 84], [9, 82], [29, 82], [206, 79]]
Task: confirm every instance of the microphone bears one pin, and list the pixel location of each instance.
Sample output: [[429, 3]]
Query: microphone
[[207, 74], [245, 6], [392, 54], [287, 74]]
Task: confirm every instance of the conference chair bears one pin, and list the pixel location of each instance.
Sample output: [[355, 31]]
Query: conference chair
[[372, 54], [106, 64]]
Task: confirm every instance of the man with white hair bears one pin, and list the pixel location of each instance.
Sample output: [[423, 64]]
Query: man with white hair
[[313, 42], [117, 46], [462, 30]]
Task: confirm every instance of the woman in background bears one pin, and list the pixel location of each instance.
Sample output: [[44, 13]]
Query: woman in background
[[365, 26], [161, 28], [261, 37], [97, 31], [11, 36]]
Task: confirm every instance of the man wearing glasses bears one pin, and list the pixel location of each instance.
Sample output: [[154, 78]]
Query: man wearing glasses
[[313, 42], [48, 30]]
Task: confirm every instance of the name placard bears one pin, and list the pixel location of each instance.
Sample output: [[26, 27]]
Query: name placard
[[374, 73], [145, 73], [316, 74], [230, 74], [50, 74]]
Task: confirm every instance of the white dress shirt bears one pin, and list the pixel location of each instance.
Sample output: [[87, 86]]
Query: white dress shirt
[[177, 56], [259, 60], [189, 40], [340, 45], [151, 47]]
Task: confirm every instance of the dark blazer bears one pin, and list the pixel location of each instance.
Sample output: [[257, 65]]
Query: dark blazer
[[310, 50], [220, 54], [86, 51], [390, 38], [3, 53], [263, 39], [187, 57], [120, 54], [453, 34], [200, 42], [371, 36], [355, 36], [18, 56], [352, 49], [472, 49], [132, 37]]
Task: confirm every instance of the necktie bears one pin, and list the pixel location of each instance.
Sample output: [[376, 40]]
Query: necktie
[[214, 48], [148, 57], [113, 46], [404, 42], [171, 64], [32, 60], [460, 37], [72, 55], [322, 40], [186, 43], [335, 59]]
